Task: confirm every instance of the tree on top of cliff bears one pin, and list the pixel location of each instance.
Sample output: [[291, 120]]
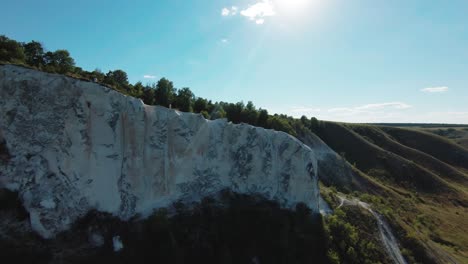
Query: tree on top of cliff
[[34, 53], [164, 93], [10, 50], [59, 60]]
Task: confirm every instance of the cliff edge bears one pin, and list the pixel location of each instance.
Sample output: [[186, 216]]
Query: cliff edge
[[74, 146]]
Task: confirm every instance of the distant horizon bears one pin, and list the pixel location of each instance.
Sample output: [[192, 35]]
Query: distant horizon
[[357, 61]]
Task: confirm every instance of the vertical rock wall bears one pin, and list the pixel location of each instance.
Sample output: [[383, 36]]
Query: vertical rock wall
[[75, 146]]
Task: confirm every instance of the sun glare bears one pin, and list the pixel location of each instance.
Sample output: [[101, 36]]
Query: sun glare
[[293, 6]]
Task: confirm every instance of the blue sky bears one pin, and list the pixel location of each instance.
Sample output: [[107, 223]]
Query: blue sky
[[342, 60]]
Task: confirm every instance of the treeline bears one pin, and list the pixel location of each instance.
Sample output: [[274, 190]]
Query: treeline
[[163, 93]]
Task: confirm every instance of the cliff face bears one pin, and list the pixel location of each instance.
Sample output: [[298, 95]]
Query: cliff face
[[74, 146]]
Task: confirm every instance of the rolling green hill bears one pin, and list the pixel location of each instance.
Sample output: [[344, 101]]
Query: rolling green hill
[[421, 184]]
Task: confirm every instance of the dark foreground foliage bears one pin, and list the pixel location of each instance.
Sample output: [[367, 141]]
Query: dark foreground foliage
[[233, 229]]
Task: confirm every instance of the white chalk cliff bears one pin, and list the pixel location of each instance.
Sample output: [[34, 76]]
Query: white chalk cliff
[[75, 146]]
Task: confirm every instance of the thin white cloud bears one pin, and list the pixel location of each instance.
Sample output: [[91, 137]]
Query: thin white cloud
[[395, 105], [149, 76], [447, 117], [260, 21], [225, 41], [232, 11], [440, 89], [259, 11], [341, 109], [304, 110], [225, 12], [370, 108]]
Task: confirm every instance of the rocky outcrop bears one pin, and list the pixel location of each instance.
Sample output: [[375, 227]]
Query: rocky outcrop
[[74, 146]]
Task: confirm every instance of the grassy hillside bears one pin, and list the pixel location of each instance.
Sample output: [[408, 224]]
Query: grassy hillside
[[421, 185], [459, 135], [455, 132]]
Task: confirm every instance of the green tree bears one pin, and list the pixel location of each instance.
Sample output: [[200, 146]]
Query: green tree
[[59, 61], [120, 77], [148, 95], [249, 114], [98, 75], [205, 114], [34, 53], [138, 90], [200, 105], [305, 121], [164, 93], [184, 100], [262, 120], [314, 124], [234, 112], [280, 124], [218, 112], [11, 50], [117, 78]]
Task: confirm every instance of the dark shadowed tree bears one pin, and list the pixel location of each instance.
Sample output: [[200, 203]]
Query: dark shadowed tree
[[305, 121], [148, 95], [34, 53], [234, 112], [200, 104], [262, 118], [120, 77], [117, 78], [184, 100], [250, 114], [11, 50], [137, 90], [164, 93], [314, 125]]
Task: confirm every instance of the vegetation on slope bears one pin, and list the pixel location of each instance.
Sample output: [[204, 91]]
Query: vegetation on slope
[[352, 233], [458, 134], [423, 197]]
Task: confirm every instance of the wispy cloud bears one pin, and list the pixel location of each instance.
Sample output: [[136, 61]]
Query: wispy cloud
[[304, 110], [454, 117], [229, 11], [391, 112], [370, 108], [149, 76], [395, 105], [259, 11], [260, 21], [225, 41], [368, 112], [440, 89]]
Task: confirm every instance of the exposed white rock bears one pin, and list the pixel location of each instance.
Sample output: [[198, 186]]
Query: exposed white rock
[[117, 243], [96, 239], [49, 204], [76, 146]]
